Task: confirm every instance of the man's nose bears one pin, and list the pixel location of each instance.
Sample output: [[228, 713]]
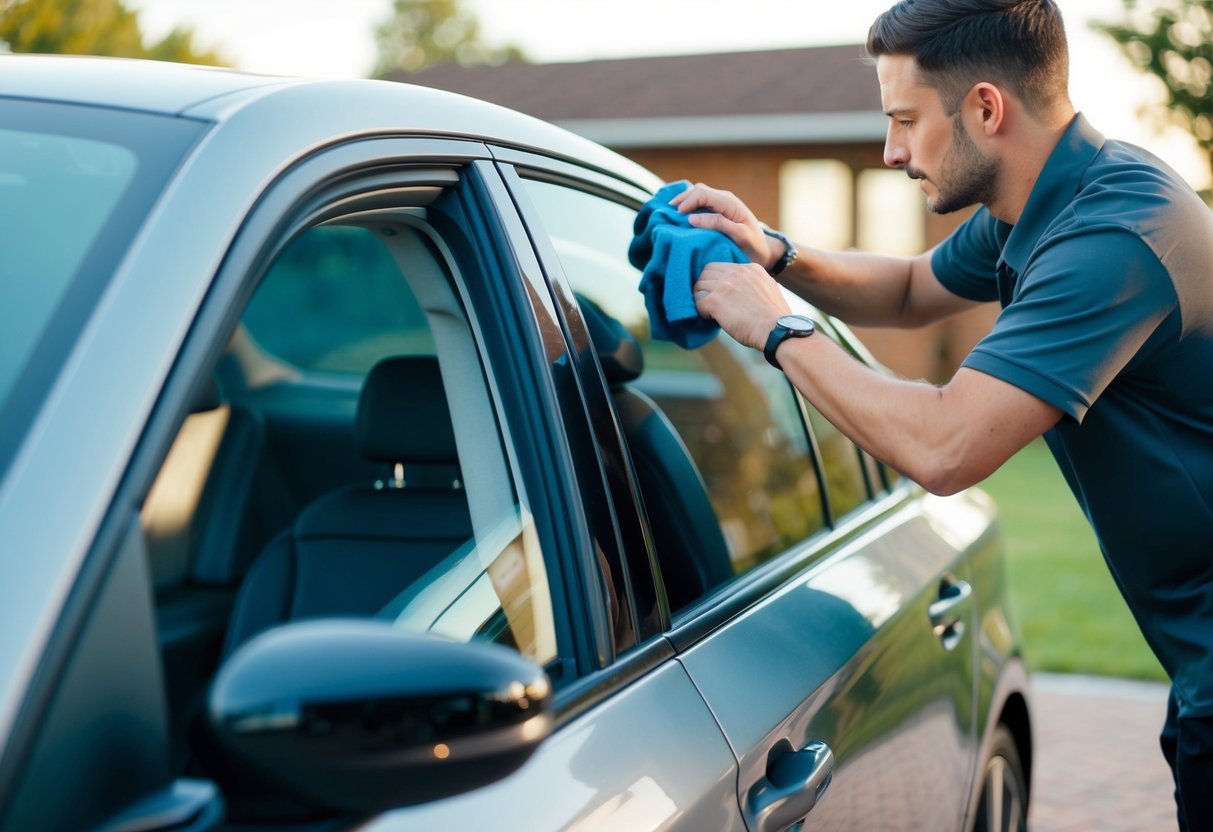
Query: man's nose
[[895, 153]]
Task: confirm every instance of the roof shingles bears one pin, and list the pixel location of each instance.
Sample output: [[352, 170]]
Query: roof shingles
[[828, 79]]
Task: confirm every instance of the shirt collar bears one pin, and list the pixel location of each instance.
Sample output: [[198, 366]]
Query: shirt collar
[[1055, 188]]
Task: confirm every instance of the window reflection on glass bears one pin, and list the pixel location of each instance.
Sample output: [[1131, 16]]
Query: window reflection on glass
[[56, 195], [737, 416]]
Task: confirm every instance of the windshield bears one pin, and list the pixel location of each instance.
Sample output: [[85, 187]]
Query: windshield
[[75, 185]]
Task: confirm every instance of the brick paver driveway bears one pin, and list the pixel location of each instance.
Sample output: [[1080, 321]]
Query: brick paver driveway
[[1098, 767]]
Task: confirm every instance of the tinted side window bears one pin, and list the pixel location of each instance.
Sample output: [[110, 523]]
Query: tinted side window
[[750, 463], [841, 464], [739, 419]]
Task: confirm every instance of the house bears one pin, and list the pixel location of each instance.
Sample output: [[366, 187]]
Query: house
[[797, 133]]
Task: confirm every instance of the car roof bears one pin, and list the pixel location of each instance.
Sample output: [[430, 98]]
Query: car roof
[[316, 106], [116, 82]]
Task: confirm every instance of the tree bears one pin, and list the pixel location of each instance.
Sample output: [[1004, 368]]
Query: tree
[[1173, 40], [91, 27], [421, 33]]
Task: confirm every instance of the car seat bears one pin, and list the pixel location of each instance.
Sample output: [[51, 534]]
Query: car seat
[[350, 552]]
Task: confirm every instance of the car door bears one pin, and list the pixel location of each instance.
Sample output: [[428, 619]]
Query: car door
[[845, 623]]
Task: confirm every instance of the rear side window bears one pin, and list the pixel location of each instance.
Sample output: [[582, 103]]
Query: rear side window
[[750, 474], [841, 463], [739, 419]]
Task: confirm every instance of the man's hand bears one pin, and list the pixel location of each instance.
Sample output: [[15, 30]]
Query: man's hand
[[742, 298], [730, 216]]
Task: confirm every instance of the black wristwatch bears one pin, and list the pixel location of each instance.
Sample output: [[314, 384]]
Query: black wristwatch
[[789, 253], [788, 326]]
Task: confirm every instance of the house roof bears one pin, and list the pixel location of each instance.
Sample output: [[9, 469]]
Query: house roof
[[814, 94]]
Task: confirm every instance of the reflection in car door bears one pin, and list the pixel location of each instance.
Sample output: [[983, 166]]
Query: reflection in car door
[[847, 654]]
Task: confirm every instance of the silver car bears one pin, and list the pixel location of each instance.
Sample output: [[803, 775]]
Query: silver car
[[342, 485]]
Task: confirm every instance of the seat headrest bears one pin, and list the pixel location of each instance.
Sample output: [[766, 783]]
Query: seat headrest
[[403, 414], [618, 350]]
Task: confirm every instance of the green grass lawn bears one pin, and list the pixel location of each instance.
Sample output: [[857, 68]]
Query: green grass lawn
[[1070, 612]]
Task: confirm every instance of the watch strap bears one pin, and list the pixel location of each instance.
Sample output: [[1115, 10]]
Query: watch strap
[[781, 333], [789, 252]]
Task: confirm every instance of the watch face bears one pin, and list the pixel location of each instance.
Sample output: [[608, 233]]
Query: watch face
[[796, 323]]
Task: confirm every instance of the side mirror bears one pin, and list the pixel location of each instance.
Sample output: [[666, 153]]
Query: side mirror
[[355, 715]]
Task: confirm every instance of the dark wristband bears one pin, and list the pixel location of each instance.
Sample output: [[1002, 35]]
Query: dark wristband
[[789, 253]]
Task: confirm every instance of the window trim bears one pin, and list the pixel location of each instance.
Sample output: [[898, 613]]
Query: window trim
[[638, 564]]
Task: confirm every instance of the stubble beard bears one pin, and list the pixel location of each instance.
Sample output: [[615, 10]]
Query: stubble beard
[[966, 176]]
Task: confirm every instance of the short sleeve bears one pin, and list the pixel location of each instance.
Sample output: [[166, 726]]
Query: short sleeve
[[1082, 310], [965, 262]]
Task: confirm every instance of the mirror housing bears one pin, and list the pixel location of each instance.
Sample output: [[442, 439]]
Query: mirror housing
[[357, 716]]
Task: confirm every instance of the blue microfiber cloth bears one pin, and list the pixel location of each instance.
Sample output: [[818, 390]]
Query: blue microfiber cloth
[[672, 253]]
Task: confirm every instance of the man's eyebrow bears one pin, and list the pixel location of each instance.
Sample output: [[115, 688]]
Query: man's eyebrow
[[897, 111]]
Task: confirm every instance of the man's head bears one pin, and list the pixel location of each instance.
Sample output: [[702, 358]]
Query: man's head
[[1019, 45], [950, 72]]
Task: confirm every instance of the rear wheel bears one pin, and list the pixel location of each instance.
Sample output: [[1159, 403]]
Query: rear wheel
[[1004, 788]]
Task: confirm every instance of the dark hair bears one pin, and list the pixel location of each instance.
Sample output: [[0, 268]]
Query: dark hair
[[1020, 44]]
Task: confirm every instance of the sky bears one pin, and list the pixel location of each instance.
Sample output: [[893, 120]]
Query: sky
[[335, 38]]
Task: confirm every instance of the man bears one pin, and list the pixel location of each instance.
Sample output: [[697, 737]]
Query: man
[[1102, 259]]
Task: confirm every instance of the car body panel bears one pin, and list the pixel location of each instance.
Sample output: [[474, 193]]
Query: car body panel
[[882, 685], [684, 777]]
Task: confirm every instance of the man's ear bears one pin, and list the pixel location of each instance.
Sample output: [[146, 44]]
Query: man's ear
[[987, 106]]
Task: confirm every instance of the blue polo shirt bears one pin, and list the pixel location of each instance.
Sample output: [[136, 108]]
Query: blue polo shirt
[[1106, 284]]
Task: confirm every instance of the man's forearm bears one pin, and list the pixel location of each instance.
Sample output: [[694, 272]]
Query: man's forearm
[[944, 438], [871, 289]]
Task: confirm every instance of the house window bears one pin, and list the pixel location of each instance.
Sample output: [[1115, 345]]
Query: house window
[[891, 213], [816, 202]]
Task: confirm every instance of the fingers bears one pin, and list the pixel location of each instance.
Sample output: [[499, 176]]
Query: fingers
[[717, 222], [700, 196], [737, 282], [722, 211], [741, 298]]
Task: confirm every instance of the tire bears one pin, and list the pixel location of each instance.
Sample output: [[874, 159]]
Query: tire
[[1003, 806]]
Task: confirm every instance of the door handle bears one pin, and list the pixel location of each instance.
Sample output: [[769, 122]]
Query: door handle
[[947, 612], [794, 782]]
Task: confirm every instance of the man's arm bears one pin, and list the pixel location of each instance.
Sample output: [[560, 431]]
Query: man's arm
[[944, 438], [862, 289]]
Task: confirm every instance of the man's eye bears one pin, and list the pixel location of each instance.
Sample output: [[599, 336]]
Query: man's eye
[[905, 122]]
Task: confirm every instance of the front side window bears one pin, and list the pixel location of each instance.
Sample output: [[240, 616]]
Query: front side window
[[734, 416], [368, 496], [334, 301]]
